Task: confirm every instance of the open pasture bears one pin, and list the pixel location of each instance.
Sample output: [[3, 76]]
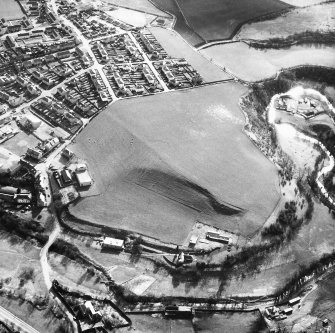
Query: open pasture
[[304, 3], [10, 9], [217, 19], [250, 64], [299, 20], [162, 162], [139, 5]]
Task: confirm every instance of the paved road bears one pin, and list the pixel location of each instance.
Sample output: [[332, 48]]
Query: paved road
[[7, 316]]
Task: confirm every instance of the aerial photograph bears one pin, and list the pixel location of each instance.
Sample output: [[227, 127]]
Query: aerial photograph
[[167, 166]]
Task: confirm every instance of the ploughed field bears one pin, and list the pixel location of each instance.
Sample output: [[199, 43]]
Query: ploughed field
[[163, 162], [180, 25], [219, 19]]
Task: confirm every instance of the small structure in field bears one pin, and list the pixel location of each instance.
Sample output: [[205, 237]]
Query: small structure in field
[[113, 243], [193, 240], [180, 311], [294, 301], [215, 236]]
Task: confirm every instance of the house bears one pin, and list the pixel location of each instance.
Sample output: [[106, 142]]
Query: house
[[149, 78], [71, 98], [67, 153], [51, 144], [48, 81], [22, 81], [61, 91], [15, 100], [37, 75], [7, 79], [3, 108], [147, 43], [33, 89], [113, 243], [46, 100], [65, 72], [34, 153], [49, 58], [103, 96], [4, 96], [11, 42], [5, 118], [66, 176], [139, 89]]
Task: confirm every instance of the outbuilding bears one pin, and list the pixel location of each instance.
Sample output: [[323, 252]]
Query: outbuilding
[[294, 301], [83, 178], [113, 243]]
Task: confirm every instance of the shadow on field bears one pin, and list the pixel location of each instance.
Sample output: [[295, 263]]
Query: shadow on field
[[181, 191]]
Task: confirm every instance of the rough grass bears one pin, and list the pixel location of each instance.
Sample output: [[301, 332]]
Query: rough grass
[[10, 9], [162, 162], [299, 20], [251, 64]]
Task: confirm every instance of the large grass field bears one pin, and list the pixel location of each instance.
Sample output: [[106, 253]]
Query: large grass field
[[162, 162], [202, 323], [299, 20], [304, 3], [10, 9], [219, 19], [253, 65], [176, 47]]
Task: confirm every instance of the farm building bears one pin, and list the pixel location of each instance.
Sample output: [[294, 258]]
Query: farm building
[[113, 243], [193, 240], [178, 311], [294, 301], [83, 178], [288, 311], [215, 236]]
